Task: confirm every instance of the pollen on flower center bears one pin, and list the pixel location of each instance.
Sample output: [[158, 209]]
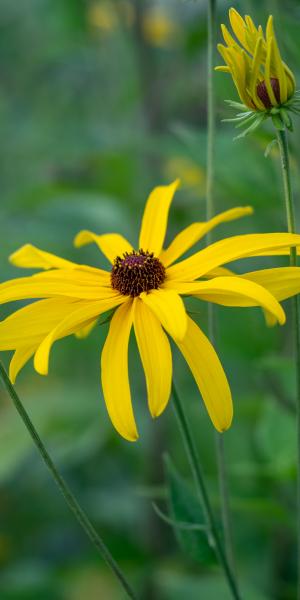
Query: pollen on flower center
[[262, 92], [137, 272]]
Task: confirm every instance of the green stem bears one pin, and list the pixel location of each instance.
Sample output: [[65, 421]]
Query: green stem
[[290, 216], [288, 194], [67, 494], [210, 212], [193, 459], [224, 495], [211, 118]]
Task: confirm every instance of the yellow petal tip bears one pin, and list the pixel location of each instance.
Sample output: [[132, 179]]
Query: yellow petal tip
[[155, 413], [12, 378], [225, 425], [14, 257], [130, 437], [176, 183], [42, 372], [282, 319], [41, 369], [225, 428], [249, 210], [79, 239]]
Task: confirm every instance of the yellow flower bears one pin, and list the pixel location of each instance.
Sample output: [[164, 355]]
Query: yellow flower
[[262, 79], [144, 288], [191, 174], [102, 16], [159, 29]]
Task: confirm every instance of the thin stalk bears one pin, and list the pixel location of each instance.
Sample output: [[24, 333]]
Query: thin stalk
[[210, 212], [213, 534], [66, 492], [211, 117], [291, 224], [224, 495]]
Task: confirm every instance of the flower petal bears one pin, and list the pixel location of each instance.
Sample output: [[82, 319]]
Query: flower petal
[[255, 72], [72, 284], [30, 257], [209, 375], [270, 72], [83, 332], [228, 39], [28, 325], [111, 244], [20, 357], [114, 373], [278, 252], [73, 321], [155, 218], [276, 64], [233, 291], [237, 61], [230, 249], [239, 27], [169, 309], [84, 276], [219, 272], [192, 234], [282, 282], [156, 357]]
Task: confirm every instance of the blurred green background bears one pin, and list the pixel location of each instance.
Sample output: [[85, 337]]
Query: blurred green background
[[99, 101]]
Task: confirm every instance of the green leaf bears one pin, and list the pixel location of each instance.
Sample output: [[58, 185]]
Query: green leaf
[[185, 508], [276, 440], [177, 524]]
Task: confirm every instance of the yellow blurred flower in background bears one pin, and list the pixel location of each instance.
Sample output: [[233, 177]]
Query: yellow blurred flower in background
[[159, 28], [191, 175], [103, 16]]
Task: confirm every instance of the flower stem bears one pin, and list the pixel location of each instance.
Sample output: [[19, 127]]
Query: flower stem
[[224, 495], [211, 118], [291, 224], [66, 492], [210, 212], [193, 459]]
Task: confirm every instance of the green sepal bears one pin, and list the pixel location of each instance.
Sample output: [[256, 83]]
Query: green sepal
[[234, 120], [286, 119], [237, 105], [246, 121], [294, 110], [258, 121], [280, 116], [275, 110], [277, 122]]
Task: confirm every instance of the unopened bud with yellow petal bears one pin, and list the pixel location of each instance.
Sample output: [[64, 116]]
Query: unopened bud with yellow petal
[[264, 82]]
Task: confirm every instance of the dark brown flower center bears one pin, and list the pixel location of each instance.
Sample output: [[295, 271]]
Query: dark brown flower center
[[262, 92], [137, 272]]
